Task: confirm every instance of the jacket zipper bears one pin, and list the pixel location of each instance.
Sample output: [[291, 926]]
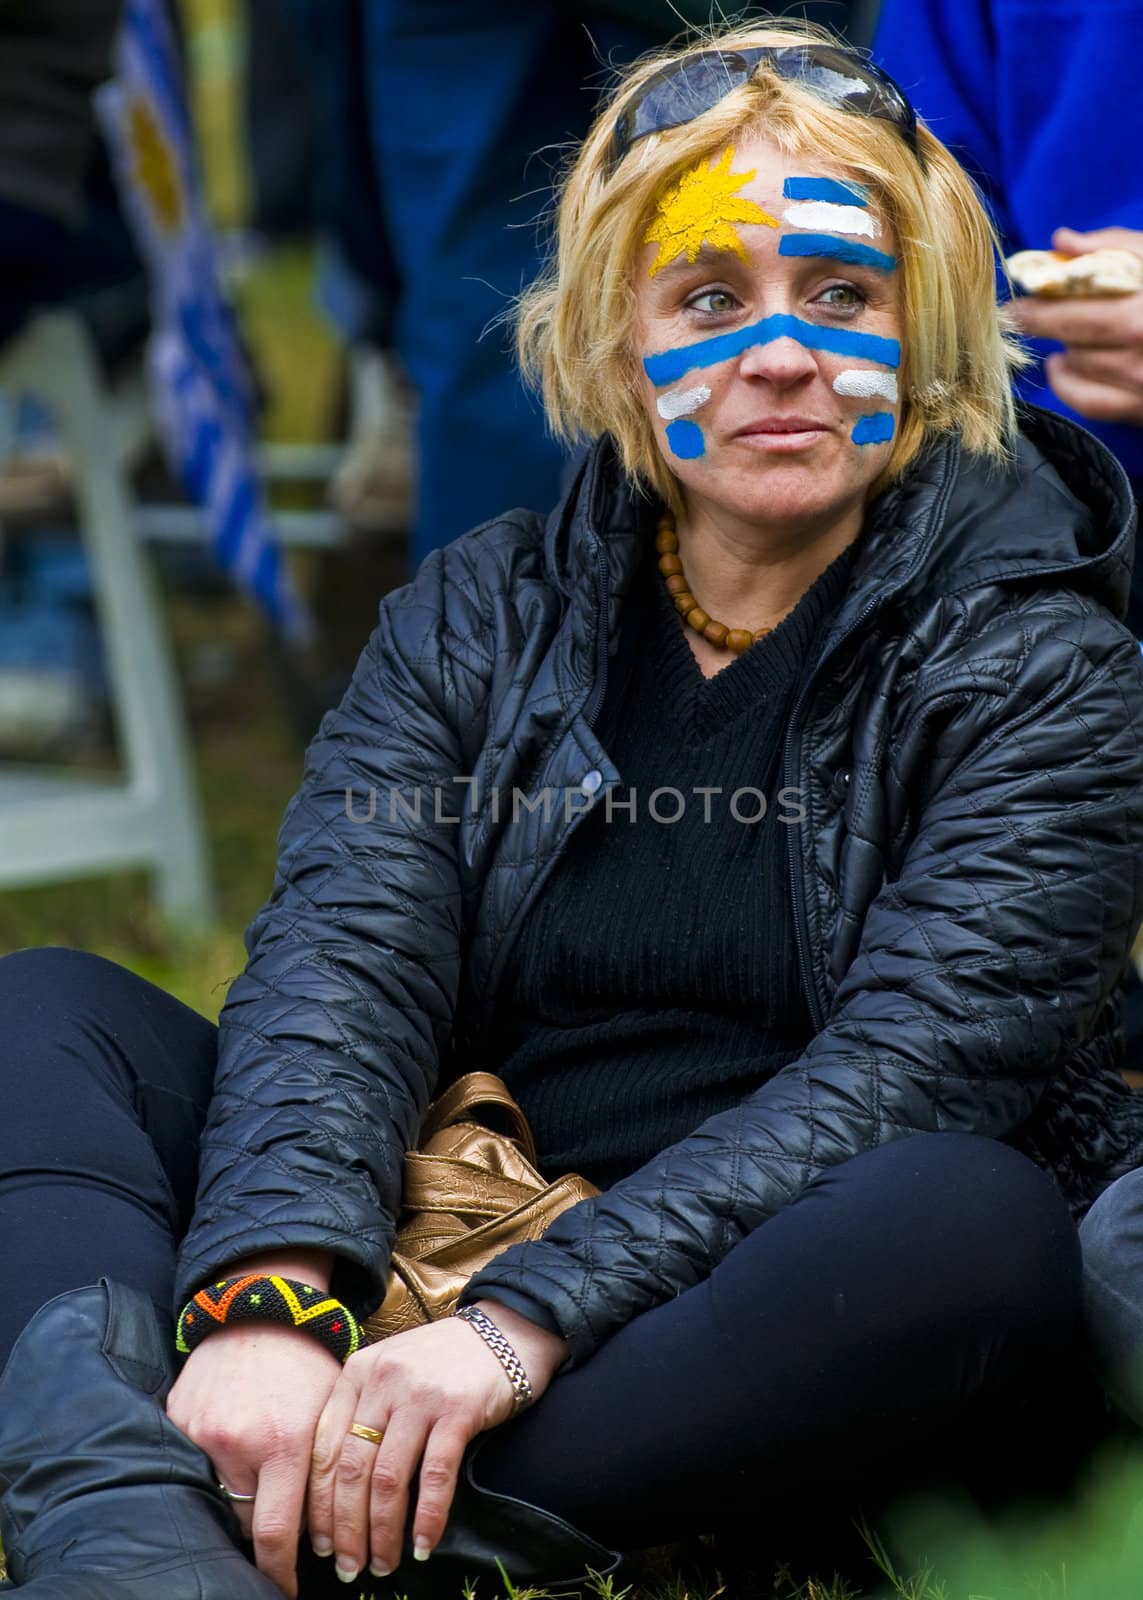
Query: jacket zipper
[[817, 1002], [595, 699]]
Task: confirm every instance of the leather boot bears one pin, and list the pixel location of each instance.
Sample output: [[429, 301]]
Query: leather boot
[[536, 1548], [101, 1496]]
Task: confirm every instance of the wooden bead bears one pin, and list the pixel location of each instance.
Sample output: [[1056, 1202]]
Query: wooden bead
[[670, 565]]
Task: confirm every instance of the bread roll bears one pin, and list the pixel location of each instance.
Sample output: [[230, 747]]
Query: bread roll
[[1051, 275]]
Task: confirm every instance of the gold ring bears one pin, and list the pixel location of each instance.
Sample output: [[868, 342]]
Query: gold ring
[[371, 1435]]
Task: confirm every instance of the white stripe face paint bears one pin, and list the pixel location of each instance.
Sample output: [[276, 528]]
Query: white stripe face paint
[[822, 217], [681, 402], [863, 384]]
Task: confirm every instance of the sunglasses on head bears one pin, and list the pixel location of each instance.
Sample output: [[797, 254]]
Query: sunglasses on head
[[682, 91]]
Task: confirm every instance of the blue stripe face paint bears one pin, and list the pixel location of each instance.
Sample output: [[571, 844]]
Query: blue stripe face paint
[[827, 189], [685, 439], [670, 365], [834, 249], [876, 429]]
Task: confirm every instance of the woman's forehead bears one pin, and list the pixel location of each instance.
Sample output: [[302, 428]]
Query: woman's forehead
[[754, 191]]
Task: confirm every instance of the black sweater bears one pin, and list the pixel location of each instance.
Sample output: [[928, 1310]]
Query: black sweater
[[656, 980]]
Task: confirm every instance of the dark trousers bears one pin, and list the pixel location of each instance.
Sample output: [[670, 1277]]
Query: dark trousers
[[915, 1308]]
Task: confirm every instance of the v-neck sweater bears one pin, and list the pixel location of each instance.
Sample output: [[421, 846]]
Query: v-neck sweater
[[656, 980]]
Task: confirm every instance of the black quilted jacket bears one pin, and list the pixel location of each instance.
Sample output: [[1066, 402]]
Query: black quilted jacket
[[966, 883]]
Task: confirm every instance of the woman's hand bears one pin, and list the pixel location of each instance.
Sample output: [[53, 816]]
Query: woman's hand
[[1100, 373], [250, 1396], [429, 1392]]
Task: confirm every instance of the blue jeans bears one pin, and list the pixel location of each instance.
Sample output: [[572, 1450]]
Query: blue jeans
[[473, 104], [1111, 1236]]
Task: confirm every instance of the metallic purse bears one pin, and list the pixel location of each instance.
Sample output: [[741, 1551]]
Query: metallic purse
[[468, 1192]]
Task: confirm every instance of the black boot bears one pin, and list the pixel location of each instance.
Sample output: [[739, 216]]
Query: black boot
[[536, 1548], [101, 1496]]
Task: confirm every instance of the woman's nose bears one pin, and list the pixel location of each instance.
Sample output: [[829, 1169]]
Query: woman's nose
[[780, 361]]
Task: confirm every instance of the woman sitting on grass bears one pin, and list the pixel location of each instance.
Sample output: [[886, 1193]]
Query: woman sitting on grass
[[770, 816]]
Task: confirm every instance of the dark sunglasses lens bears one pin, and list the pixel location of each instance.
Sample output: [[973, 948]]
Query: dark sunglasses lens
[[679, 94], [840, 80]]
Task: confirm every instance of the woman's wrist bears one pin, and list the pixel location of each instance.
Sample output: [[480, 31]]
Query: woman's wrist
[[263, 1290], [542, 1352]]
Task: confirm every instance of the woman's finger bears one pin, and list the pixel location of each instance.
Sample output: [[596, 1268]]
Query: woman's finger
[[329, 1437], [277, 1519], [373, 1496], [238, 1480], [440, 1466]]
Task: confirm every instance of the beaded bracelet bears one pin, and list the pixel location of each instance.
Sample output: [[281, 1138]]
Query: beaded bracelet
[[254, 1297]]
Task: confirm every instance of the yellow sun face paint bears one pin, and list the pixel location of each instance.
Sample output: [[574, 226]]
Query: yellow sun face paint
[[702, 208]]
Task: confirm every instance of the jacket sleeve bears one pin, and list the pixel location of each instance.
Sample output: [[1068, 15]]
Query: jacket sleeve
[[330, 1040], [984, 960]]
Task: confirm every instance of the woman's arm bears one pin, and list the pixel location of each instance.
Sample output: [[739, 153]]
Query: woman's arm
[[330, 1040], [983, 963]]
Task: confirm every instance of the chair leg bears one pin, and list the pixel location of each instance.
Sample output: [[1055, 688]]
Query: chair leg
[[144, 686]]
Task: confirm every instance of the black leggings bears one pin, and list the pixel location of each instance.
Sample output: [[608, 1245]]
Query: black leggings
[[919, 1303]]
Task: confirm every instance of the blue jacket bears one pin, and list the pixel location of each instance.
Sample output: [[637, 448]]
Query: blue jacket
[[1041, 101]]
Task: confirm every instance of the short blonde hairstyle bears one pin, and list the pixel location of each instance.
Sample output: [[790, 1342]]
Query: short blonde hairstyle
[[575, 325]]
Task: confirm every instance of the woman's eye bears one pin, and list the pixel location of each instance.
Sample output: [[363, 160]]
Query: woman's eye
[[842, 295], [714, 302]]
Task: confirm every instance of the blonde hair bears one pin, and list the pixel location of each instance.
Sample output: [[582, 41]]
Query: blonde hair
[[575, 324]]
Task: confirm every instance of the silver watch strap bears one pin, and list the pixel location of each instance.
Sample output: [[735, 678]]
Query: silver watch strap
[[503, 1351]]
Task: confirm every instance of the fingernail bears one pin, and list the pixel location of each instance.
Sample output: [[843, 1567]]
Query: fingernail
[[379, 1571], [347, 1574], [422, 1550], [322, 1547]]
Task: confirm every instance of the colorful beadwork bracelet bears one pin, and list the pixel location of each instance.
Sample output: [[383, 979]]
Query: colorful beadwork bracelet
[[253, 1297]]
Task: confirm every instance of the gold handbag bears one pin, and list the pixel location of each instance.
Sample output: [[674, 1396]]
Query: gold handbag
[[468, 1192]]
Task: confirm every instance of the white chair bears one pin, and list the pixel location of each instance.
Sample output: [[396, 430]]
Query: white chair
[[55, 826]]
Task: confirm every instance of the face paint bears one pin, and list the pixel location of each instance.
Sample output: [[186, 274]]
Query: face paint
[[825, 218], [702, 208], [686, 440], [875, 429], [682, 402], [827, 189], [825, 245], [670, 365], [863, 385]]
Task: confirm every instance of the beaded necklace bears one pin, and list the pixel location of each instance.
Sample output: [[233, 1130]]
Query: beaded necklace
[[670, 565]]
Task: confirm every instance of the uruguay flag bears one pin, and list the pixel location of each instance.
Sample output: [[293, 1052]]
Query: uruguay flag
[[202, 388]]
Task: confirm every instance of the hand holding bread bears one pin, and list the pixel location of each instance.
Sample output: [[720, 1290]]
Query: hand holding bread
[[1087, 294]]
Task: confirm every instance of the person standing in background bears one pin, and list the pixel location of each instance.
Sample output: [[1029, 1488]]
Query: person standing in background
[[472, 106], [1040, 101]]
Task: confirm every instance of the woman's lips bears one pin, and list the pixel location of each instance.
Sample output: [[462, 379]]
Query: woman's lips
[[782, 433]]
